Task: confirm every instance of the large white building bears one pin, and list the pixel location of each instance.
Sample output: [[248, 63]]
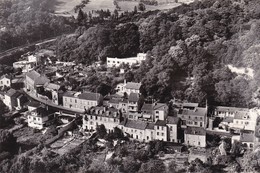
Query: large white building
[[116, 62], [128, 87], [39, 117]]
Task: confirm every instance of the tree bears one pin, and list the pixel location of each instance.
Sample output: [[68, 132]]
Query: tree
[[101, 131], [80, 16], [7, 141], [141, 6], [135, 10]]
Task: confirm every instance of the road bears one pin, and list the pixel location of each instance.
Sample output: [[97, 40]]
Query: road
[[51, 104]]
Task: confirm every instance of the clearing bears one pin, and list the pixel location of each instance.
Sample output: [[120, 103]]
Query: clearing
[[242, 71]]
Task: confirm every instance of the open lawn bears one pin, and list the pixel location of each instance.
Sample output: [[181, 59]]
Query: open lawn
[[129, 6], [66, 7]]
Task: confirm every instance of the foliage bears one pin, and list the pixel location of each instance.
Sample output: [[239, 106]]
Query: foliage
[[101, 131], [7, 141]]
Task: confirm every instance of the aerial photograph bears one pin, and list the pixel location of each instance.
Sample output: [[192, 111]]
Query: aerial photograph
[[129, 86]]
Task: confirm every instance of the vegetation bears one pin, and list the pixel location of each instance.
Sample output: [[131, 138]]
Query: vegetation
[[23, 22]]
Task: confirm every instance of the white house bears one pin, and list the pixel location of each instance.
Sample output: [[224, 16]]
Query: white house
[[161, 130], [116, 62], [128, 87], [195, 136], [5, 81], [174, 129], [38, 118]]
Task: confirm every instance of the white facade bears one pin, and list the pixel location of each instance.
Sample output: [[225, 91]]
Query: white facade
[[8, 102], [160, 132], [35, 121], [5, 81], [116, 62], [195, 140], [173, 132]]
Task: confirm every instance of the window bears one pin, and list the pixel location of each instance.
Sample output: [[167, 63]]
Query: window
[[196, 123], [196, 117], [251, 145], [157, 112], [198, 143], [34, 119], [113, 61], [246, 123], [201, 118], [172, 140], [162, 127], [75, 100], [147, 137], [200, 124], [157, 133], [90, 116], [158, 127], [108, 61], [65, 99], [171, 128], [91, 123], [162, 134]]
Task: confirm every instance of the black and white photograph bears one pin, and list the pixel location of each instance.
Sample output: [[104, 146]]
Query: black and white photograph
[[129, 86]]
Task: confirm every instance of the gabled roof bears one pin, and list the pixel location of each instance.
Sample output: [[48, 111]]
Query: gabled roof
[[141, 125], [41, 112], [5, 76], [133, 85], [90, 96], [173, 120], [150, 126], [195, 131], [41, 80], [13, 93], [33, 75], [160, 123], [190, 104], [133, 97], [195, 112]]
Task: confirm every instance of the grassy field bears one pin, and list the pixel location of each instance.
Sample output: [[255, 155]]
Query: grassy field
[[66, 7]]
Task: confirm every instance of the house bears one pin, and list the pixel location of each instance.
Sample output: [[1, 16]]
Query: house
[[193, 118], [135, 129], [116, 62], [5, 81], [245, 120], [34, 82], [155, 111], [39, 118], [161, 129], [133, 102], [174, 129], [81, 101], [14, 99], [55, 94], [222, 111], [109, 117], [128, 87], [195, 136], [186, 105], [247, 139]]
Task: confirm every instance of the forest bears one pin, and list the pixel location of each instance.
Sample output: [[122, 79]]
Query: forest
[[26, 21], [188, 50]]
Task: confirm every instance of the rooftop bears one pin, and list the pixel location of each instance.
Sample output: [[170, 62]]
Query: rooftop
[[41, 112], [230, 109], [196, 112], [247, 137], [195, 131], [160, 123], [5, 76], [104, 111], [172, 120], [133, 97], [41, 80], [135, 124], [155, 106], [90, 96], [33, 75], [133, 85], [242, 115], [52, 86], [34, 104], [13, 93]]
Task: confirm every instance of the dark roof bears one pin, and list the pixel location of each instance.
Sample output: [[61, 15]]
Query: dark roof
[[34, 104], [141, 125], [52, 86], [173, 120], [195, 131], [41, 112], [13, 93], [160, 123], [90, 96], [133, 97], [33, 75], [150, 126], [190, 104], [133, 85], [104, 111], [6, 76], [69, 93]]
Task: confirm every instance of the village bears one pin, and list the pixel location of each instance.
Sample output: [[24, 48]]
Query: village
[[40, 98]]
